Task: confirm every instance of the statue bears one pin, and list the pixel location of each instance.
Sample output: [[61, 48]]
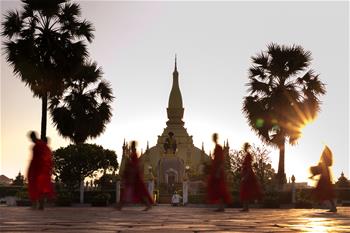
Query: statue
[[170, 143]]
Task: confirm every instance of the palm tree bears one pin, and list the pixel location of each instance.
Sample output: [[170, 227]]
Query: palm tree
[[84, 108], [283, 97], [44, 43]]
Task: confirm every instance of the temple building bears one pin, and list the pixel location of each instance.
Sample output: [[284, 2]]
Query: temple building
[[174, 158]]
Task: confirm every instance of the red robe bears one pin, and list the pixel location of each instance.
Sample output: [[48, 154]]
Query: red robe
[[249, 187], [39, 172], [324, 189], [134, 188], [217, 187]]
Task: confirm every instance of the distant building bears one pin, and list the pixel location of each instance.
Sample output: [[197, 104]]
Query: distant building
[[342, 182], [174, 157], [4, 180]]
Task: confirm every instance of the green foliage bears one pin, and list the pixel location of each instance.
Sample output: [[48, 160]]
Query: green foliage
[[261, 166], [45, 43], [101, 199], [107, 181], [304, 199], [283, 95], [42, 47], [63, 198], [84, 109], [75, 162], [9, 190], [19, 180], [22, 195]]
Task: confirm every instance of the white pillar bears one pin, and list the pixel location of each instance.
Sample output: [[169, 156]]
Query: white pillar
[[293, 190], [117, 192], [150, 187], [185, 192], [82, 191]]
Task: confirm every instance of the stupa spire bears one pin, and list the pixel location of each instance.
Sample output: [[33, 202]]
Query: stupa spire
[[175, 69], [175, 108]]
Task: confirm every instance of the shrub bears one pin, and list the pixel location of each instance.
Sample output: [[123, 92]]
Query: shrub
[[63, 199], [101, 199]]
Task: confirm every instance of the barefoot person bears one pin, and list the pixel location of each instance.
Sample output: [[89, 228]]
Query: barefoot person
[[324, 189], [249, 187], [39, 173], [217, 188], [134, 188]]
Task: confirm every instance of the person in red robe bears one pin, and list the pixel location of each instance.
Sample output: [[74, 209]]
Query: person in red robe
[[134, 188], [249, 187], [40, 186], [324, 190], [217, 187]]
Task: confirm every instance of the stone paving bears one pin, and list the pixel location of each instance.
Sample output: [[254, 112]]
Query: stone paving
[[171, 219]]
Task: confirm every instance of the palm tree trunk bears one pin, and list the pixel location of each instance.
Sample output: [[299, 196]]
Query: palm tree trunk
[[81, 191], [43, 116], [281, 175]]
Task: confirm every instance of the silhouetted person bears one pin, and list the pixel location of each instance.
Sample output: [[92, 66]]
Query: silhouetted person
[[324, 189], [217, 188], [39, 173], [249, 187], [170, 143], [134, 188]]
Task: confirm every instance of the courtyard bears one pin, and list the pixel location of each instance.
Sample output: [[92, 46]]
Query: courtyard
[[164, 218]]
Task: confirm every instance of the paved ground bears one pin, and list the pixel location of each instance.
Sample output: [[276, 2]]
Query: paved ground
[[171, 219]]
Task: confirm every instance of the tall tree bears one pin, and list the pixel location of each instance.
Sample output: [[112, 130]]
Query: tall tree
[[82, 160], [44, 43], [283, 97], [84, 109]]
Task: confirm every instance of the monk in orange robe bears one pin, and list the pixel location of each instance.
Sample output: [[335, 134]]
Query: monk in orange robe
[[249, 187], [217, 187], [40, 186], [324, 190], [134, 188]]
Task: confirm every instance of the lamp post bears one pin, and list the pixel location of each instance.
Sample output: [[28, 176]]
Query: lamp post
[[185, 186]]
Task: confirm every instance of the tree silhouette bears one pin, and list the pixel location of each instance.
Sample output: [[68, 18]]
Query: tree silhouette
[[283, 97], [74, 162], [84, 108], [44, 43], [261, 164]]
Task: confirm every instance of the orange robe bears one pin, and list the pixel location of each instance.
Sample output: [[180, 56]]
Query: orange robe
[[217, 187], [39, 172], [134, 188], [324, 189], [249, 187]]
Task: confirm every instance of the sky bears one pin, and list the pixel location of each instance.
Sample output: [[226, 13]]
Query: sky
[[135, 44]]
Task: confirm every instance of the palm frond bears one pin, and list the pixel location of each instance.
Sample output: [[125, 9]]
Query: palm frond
[[12, 24], [85, 29], [105, 91]]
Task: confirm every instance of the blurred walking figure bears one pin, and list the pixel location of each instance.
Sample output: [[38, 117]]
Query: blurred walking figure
[[324, 189], [39, 173], [249, 187], [134, 188], [217, 188]]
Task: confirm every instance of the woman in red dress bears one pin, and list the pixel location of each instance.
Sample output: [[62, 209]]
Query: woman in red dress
[[249, 188], [217, 188], [39, 173], [324, 189], [134, 188]]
